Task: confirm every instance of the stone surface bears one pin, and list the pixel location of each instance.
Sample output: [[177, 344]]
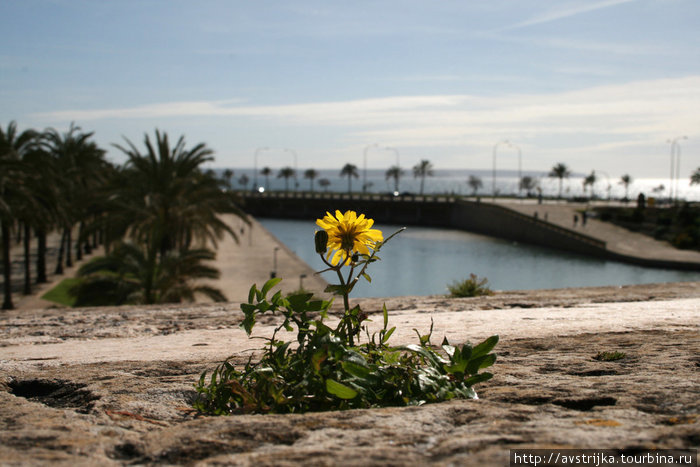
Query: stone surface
[[113, 386]]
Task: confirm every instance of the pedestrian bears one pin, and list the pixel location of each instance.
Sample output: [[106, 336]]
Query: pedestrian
[[583, 219], [575, 220]]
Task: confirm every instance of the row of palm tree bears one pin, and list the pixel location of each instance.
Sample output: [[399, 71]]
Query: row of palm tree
[[45, 180], [156, 215], [421, 170], [561, 171]]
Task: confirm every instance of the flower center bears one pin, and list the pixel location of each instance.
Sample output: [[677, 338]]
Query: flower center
[[347, 237]]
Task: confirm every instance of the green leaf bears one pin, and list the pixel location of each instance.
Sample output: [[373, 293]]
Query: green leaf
[[485, 347], [357, 370], [386, 316], [475, 364], [251, 294], [388, 334], [340, 390], [449, 349], [298, 302], [270, 284], [248, 323], [367, 277], [337, 289], [426, 352], [480, 378]]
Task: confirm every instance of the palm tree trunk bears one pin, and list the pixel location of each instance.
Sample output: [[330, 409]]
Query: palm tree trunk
[[27, 264], [69, 241], [41, 256], [422, 183], [6, 265], [19, 233], [78, 242], [96, 232], [61, 249]]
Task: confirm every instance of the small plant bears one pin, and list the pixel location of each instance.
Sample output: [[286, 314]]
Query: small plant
[[328, 367], [472, 287], [609, 356]]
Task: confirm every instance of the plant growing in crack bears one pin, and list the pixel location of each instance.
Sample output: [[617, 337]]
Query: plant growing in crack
[[331, 367]]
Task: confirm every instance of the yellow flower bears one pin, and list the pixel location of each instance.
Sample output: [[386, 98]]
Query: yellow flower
[[348, 234]]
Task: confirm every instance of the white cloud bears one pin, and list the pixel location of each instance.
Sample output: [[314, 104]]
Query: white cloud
[[592, 122]]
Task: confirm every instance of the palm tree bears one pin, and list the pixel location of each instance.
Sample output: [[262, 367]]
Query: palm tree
[[626, 180], [475, 184], [695, 177], [423, 169], [590, 180], [130, 275], [228, 174], [41, 212], [78, 162], [15, 195], [394, 172], [266, 171], [528, 184], [311, 174], [164, 201], [560, 171], [325, 183], [350, 171], [286, 173], [243, 181]]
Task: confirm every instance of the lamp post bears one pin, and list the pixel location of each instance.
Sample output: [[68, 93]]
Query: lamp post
[[273, 274], [255, 166], [675, 151], [607, 178], [398, 168], [294, 154], [396, 151], [364, 169], [520, 166], [493, 174]]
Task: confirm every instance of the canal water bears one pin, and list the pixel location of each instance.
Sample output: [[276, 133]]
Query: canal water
[[424, 260]]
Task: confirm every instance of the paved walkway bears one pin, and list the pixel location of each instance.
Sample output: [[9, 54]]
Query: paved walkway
[[618, 239], [242, 264]]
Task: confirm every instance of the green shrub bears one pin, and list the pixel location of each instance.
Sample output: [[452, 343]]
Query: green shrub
[[324, 372], [471, 287]]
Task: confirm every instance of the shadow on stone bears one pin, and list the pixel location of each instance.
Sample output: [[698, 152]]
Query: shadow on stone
[[585, 405], [55, 393]]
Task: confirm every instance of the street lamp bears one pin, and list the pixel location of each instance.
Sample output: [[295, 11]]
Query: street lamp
[[273, 274], [255, 166], [520, 166], [396, 151], [364, 169], [675, 150], [493, 174], [607, 178], [398, 168]]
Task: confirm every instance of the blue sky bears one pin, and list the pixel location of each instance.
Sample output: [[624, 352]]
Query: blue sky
[[596, 84]]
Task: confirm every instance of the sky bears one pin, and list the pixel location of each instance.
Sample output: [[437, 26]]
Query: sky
[[595, 84]]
